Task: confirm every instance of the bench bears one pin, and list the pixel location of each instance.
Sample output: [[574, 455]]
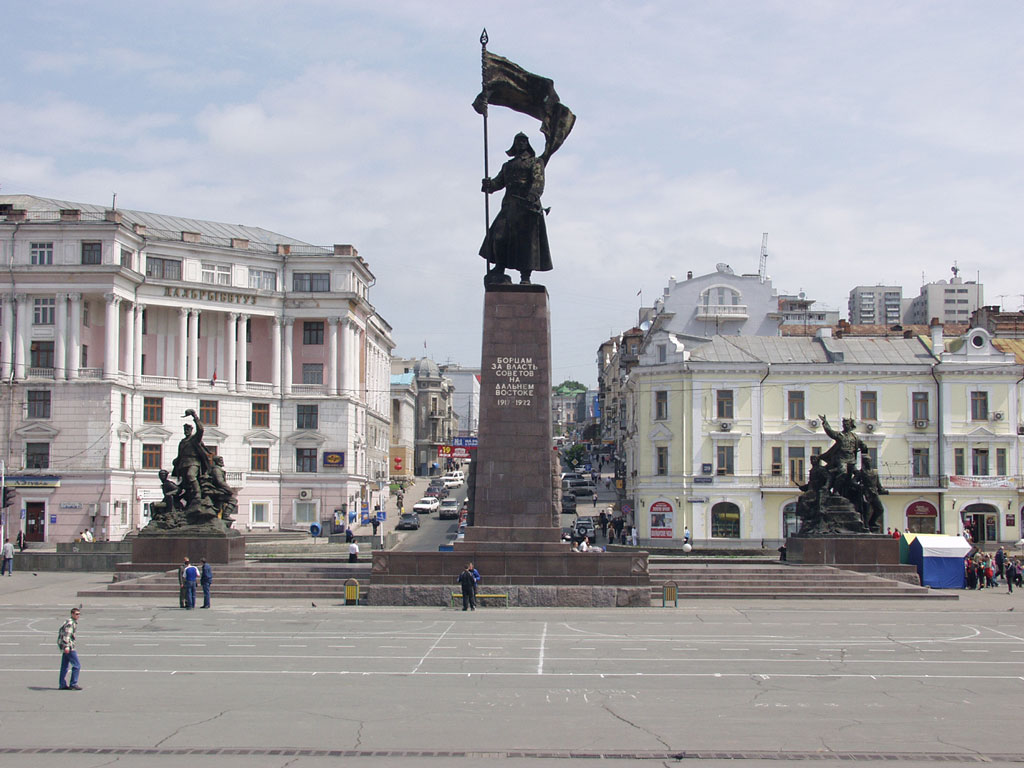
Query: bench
[[480, 595]]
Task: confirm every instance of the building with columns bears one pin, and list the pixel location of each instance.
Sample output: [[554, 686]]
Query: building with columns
[[115, 322]]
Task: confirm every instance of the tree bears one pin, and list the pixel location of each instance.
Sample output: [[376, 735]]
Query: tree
[[575, 454], [569, 386]]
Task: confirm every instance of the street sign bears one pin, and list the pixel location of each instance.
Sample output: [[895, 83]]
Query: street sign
[[703, 480], [465, 442], [627, 508]]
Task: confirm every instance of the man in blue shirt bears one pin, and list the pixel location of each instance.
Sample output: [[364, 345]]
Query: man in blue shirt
[[206, 579], [191, 575]]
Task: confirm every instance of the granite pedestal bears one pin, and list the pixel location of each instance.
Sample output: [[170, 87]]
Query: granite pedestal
[[167, 551], [515, 539], [864, 549]]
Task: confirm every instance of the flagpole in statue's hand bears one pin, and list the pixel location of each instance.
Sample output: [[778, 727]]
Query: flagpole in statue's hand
[[487, 175]]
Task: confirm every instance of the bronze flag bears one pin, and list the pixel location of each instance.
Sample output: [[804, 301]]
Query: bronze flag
[[506, 84]]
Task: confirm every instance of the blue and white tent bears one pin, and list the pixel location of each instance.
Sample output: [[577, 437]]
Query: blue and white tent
[[939, 560]]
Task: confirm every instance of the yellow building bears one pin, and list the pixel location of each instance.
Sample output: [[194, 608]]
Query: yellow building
[[718, 436]]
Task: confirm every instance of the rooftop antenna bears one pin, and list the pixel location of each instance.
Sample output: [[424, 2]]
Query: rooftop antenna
[[762, 267], [113, 203], [955, 269]]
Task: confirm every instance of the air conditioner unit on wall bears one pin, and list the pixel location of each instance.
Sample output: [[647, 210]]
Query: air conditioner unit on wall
[[305, 494], [725, 426], [869, 427], [813, 422], [997, 415], [920, 423]]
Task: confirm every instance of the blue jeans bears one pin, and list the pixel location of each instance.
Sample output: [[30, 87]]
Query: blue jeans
[[7, 566], [206, 594], [190, 594], [69, 659]]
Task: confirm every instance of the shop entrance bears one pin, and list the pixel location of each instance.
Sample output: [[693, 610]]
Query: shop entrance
[[981, 521], [35, 521]]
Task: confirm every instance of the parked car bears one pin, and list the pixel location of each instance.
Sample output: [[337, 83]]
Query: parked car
[[452, 482], [568, 504], [584, 526], [409, 521], [449, 510], [426, 505], [578, 488]]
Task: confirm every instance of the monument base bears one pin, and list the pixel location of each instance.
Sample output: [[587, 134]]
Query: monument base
[[167, 551], [535, 596], [865, 549]]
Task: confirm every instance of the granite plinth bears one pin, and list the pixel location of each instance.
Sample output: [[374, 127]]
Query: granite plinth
[[168, 551], [867, 549], [534, 596]]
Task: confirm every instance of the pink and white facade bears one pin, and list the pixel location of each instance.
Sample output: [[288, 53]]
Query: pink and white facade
[[114, 323]]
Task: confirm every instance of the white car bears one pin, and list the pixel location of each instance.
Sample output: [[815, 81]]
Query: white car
[[452, 482], [427, 505]]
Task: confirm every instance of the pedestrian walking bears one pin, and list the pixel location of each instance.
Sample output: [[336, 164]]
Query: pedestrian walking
[[467, 582], [633, 535], [206, 579], [191, 577], [181, 583], [353, 551], [8, 555], [68, 654], [376, 524], [686, 535]]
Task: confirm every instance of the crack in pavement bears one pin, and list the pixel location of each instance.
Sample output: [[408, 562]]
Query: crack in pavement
[[180, 728], [617, 716]]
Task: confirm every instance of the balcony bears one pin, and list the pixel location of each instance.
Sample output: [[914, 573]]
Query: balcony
[[722, 312], [40, 373], [891, 482]]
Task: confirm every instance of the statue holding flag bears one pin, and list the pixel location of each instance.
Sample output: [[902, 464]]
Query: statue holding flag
[[518, 237]]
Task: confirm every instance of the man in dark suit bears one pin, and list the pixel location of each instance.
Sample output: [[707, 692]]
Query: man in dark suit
[[205, 580]]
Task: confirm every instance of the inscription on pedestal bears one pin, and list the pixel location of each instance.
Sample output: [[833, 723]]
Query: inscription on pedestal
[[515, 385]]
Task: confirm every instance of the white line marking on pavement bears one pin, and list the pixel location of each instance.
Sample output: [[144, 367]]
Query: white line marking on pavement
[[431, 648], [341, 646], [543, 640], [1004, 634], [241, 645]]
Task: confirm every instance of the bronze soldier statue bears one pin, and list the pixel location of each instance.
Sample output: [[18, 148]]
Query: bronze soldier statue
[[192, 460], [518, 237]]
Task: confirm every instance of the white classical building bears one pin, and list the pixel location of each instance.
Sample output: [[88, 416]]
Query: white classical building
[[115, 322]]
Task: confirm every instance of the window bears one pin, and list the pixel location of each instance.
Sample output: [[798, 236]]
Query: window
[[306, 417], [39, 404], [313, 332], [85, 313], [660, 405], [259, 513], [919, 406], [92, 253], [248, 330], [41, 354], [37, 455], [152, 455], [312, 373], [83, 359], [796, 464], [311, 282], [920, 463], [662, 353], [163, 269], [124, 407], [958, 461], [153, 410], [725, 521], [869, 406], [248, 370], [795, 406], [262, 279], [661, 459], [776, 460], [260, 459], [41, 254], [42, 313], [305, 512], [209, 411], [1000, 461], [216, 274], [126, 258], [979, 461], [979, 406], [261, 414], [122, 457], [305, 459], [723, 403], [724, 454]]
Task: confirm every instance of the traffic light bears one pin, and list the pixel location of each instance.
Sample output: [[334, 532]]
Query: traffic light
[[8, 497]]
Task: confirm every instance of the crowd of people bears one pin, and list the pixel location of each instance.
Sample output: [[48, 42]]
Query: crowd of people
[[984, 570]]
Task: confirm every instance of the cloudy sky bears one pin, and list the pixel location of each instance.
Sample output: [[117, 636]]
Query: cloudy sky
[[873, 141]]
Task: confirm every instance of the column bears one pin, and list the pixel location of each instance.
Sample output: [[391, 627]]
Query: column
[[7, 341], [332, 355], [129, 343], [232, 329], [112, 343], [345, 382], [275, 363], [136, 360], [74, 336], [182, 347], [243, 352], [289, 323], [60, 350], [193, 349], [21, 337]]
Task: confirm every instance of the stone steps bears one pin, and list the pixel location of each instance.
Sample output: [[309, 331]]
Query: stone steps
[[705, 581]]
